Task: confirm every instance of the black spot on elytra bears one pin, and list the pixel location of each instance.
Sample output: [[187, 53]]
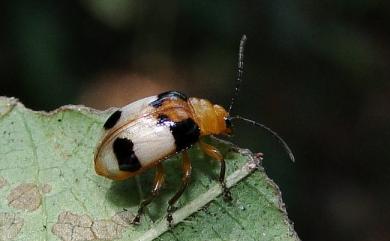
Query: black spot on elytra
[[112, 120], [185, 132], [124, 153], [169, 95]]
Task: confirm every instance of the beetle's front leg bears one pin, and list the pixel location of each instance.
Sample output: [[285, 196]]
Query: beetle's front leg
[[158, 182], [184, 183], [216, 155]]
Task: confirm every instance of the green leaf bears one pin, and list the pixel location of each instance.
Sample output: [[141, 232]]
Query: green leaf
[[50, 191]]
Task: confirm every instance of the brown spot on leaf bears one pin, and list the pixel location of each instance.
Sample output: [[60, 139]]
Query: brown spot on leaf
[[123, 218], [3, 182], [74, 227], [107, 229], [10, 226], [26, 196]]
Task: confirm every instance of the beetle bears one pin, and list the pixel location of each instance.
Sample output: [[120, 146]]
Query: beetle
[[143, 134]]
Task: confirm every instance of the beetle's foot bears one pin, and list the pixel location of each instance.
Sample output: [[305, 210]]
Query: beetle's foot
[[226, 194], [136, 220], [170, 220], [170, 211]]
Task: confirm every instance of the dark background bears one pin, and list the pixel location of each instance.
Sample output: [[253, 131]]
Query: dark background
[[316, 72]]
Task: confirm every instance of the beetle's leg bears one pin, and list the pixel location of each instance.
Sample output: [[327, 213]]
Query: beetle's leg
[[159, 179], [185, 180], [216, 155]]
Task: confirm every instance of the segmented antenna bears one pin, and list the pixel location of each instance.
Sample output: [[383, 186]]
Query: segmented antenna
[[240, 71], [274, 134]]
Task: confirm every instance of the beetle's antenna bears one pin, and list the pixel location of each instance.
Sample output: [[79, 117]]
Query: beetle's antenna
[[240, 71], [274, 134]]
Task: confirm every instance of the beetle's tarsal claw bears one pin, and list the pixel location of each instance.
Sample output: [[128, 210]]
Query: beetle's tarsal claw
[[226, 194], [170, 220], [136, 220], [170, 211]]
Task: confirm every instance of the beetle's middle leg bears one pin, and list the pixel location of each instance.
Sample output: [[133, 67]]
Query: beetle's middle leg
[[185, 180], [216, 155], [159, 179]]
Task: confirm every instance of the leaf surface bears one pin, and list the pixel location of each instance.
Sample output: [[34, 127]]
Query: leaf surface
[[50, 191]]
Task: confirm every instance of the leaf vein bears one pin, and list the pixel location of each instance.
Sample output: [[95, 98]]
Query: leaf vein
[[32, 145]]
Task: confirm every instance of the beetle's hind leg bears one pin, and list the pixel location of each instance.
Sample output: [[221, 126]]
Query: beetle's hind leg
[[158, 182], [185, 180], [216, 155]]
